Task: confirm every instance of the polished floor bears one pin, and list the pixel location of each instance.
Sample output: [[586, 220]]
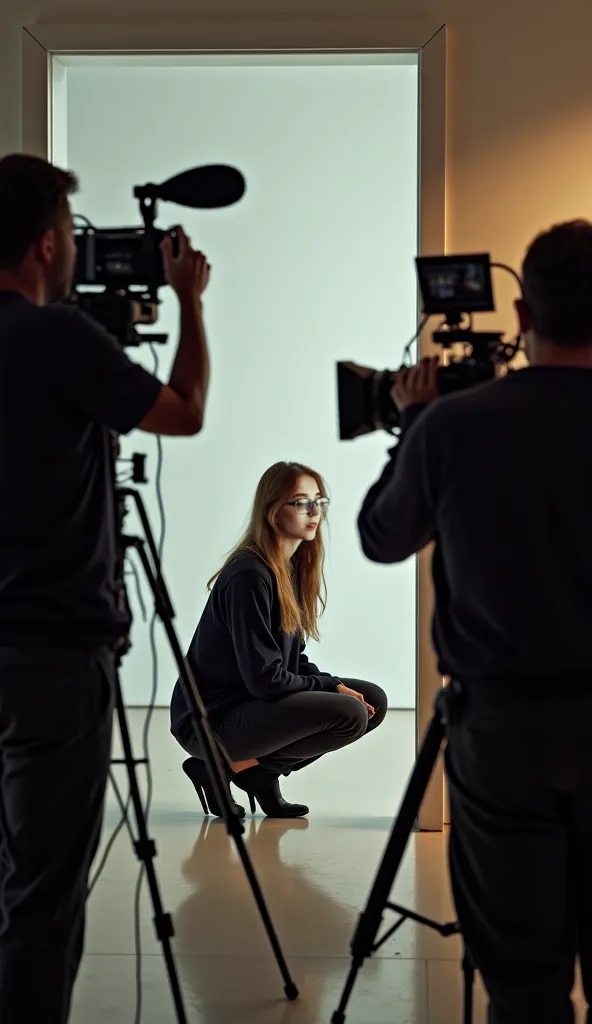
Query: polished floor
[[315, 873]]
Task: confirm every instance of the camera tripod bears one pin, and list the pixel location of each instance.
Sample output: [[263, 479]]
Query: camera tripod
[[145, 847], [365, 941]]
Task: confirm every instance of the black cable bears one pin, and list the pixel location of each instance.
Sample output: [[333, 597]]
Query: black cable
[[137, 929], [124, 820], [124, 807], [411, 342], [510, 270], [120, 824], [133, 571], [160, 549], [80, 216], [510, 349], [149, 714], [138, 943]]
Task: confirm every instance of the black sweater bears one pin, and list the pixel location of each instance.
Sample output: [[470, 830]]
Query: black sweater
[[500, 477], [239, 651]]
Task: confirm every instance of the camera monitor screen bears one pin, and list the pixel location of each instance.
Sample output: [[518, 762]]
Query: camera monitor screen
[[451, 285]]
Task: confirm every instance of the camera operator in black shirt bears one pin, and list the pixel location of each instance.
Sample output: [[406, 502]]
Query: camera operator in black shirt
[[64, 384], [500, 477]]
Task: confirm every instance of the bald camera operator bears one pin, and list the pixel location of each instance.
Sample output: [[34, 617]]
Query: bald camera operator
[[500, 477], [64, 384]]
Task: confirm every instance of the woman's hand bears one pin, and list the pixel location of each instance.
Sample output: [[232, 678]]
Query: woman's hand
[[340, 688]]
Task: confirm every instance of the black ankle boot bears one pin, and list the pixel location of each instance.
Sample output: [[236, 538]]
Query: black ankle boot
[[263, 786], [196, 770]]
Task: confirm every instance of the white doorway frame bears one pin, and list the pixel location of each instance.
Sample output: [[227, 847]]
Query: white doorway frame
[[42, 42]]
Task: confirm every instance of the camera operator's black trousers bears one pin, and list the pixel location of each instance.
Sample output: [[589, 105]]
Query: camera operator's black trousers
[[520, 778], [56, 712], [287, 735]]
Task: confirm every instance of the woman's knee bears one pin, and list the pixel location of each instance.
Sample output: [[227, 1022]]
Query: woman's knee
[[351, 716], [373, 695], [376, 696]]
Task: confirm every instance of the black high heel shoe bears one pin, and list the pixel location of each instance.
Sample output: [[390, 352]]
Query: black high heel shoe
[[263, 788], [197, 772]]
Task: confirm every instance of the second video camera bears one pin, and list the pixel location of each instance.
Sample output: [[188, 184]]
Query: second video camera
[[454, 287]]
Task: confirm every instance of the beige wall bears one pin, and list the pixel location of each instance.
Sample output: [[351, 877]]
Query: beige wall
[[520, 100]]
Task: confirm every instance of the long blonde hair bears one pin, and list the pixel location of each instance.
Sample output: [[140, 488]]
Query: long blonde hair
[[300, 582]]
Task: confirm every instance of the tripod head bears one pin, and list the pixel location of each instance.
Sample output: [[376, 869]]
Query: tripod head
[[125, 541]]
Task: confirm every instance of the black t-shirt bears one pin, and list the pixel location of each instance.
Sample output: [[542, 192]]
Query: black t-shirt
[[500, 476], [239, 651], [64, 383]]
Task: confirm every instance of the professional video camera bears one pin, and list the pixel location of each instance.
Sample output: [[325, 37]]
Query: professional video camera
[[126, 263], [454, 287]]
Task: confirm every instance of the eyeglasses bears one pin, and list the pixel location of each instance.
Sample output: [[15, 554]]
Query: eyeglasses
[[303, 507]]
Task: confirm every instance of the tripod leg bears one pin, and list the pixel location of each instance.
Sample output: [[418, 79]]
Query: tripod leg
[[339, 1015], [469, 986], [289, 987], [211, 753], [146, 851], [363, 942]]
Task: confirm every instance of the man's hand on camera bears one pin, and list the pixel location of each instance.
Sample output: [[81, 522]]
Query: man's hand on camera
[[340, 688], [416, 385], [187, 273]]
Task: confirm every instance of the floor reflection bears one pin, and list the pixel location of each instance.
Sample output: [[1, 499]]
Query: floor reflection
[[315, 873], [220, 913]]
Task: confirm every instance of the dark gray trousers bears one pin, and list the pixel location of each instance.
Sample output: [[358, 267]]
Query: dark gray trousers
[[56, 712], [520, 776], [288, 734]]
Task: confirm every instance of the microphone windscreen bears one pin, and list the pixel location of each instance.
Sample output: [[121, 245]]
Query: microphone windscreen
[[204, 188]]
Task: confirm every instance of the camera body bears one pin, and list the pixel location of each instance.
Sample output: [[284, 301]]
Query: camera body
[[126, 263], [121, 258], [455, 287]]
